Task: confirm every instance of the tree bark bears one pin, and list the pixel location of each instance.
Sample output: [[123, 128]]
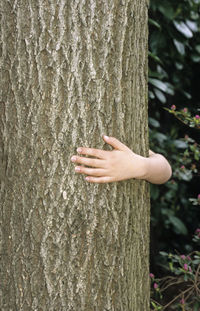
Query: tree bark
[[70, 72]]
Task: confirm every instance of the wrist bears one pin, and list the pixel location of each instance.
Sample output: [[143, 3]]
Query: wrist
[[146, 168], [141, 167]]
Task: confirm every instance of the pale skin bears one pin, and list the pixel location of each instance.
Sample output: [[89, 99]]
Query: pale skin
[[120, 164]]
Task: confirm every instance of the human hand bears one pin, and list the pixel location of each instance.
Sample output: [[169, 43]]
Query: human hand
[[108, 166]]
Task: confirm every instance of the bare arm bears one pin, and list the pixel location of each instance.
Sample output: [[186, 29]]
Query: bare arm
[[159, 170], [121, 163]]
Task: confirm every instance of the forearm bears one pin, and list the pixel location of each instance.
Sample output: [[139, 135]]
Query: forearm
[[158, 169]]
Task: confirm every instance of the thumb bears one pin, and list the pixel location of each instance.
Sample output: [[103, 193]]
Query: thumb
[[115, 143]]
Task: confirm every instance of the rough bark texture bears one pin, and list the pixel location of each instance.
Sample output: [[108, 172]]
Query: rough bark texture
[[70, 72]]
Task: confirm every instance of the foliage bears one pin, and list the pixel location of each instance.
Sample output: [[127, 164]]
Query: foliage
[[171, 203], [174, 46], [183, 283], [184, 116], [174, 64]]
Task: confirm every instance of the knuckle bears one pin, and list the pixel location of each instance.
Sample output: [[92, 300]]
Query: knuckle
[[90, 162], [88, 151], [95, 153], [85, 150], [78, 160], [113, 139], [112, 157], [92, 151]]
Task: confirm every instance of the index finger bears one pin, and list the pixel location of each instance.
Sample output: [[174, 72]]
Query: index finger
[[98, 153]]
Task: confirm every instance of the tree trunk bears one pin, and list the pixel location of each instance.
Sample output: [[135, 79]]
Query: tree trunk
[[72, 71]]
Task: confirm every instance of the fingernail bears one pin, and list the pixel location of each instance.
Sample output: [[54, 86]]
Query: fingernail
[[73, 159], [77, 169], [106, 137], [79, 150], [87, 178]]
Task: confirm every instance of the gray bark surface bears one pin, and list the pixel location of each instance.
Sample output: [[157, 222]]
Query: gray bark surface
[[70, 72]]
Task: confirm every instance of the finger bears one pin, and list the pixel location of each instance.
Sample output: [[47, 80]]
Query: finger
[[98, 153], [99, 180], [90, 171], [115, 143], [151, 153], [88, 161]]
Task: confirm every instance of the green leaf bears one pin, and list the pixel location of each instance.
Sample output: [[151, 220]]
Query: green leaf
[[194, 15], [180, 144], [196, 156], [192, 25], [155, 57], [151, 95], [159, 84], [195, 58], [154, 23], [159, 94], [183, 28], [171, 266], [186, 175], [167, 10], [196, 261], [163, 86], [179, 66], [197, 306], [187, 95], [154, 122], [163, 254], [179, 46], [160, 137], [197, 48], [178, 225], [157, 41]]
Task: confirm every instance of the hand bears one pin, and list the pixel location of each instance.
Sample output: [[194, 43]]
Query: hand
[[108, 166]]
